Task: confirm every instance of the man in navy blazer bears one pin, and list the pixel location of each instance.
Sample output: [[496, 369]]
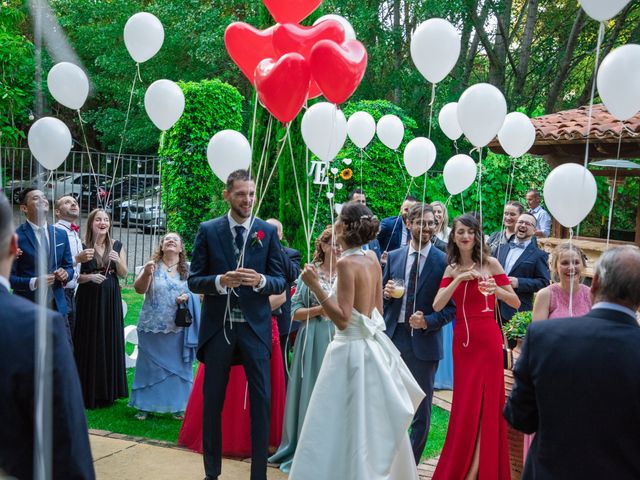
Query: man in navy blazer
[[577, 384], [416, 332], [236, 264], [71, 454], [393, 230], [24, 274], [526, 265]]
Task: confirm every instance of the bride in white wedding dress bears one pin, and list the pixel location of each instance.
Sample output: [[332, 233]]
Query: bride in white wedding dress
[[365, 397]]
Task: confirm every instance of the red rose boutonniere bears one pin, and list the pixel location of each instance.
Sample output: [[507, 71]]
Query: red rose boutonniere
[[257, 238]]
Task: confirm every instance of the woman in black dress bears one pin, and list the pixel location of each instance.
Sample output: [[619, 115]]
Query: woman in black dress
[[98, 338]]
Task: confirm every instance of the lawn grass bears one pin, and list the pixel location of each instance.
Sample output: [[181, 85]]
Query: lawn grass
[[120, 418]]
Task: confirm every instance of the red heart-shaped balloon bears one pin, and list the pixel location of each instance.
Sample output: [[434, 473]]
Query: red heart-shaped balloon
[[283, 85], [338, 69], [289, 37], [248, 46], [290, 11]]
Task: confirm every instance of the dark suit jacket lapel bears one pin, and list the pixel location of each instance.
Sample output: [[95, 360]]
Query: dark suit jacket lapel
[[226, 240], [401, 265], [526, 254], [502, 254], [53, 248], [27, 231], [426, 271]]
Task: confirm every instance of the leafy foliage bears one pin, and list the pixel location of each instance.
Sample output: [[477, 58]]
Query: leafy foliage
[[192, 194], [517, 326], [16, 72]]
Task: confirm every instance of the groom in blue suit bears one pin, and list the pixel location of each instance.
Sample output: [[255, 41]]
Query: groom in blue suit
[[33, 234], [236, 264], [412, 325]]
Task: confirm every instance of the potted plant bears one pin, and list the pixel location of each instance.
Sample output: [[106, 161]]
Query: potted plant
[[516, 328]]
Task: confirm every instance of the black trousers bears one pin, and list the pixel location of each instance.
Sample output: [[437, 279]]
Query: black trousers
[[218, 356]]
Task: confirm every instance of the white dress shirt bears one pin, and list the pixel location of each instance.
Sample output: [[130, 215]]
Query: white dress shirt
[[5, 283], [423, 258], [543, 220], [246, 224], [514, 255], [75, 245]]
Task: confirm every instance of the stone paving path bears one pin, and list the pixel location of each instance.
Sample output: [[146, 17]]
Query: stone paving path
[[123, 457]]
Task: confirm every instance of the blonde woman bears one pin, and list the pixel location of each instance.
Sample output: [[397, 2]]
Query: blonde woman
[[442, 217], [567, 265]]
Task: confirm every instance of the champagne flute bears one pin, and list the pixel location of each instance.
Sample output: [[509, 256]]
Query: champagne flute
[[486, 288], [398, 288]]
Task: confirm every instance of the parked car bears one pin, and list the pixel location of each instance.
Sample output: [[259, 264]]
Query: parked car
[[145, 211], [128, 188], [87, 188]]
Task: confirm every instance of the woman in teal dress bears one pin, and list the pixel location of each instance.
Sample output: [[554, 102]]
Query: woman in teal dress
[[308, 352]]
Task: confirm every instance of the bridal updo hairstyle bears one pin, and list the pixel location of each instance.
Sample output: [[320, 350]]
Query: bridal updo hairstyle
[[360, 225]]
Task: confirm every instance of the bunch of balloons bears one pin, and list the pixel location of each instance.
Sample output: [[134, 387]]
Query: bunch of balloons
[[289, 63]]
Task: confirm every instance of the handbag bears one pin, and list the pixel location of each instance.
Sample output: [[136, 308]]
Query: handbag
[[183, 316], [507, 353]]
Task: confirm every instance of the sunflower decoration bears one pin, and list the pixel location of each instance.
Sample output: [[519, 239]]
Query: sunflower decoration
[[346, 174]]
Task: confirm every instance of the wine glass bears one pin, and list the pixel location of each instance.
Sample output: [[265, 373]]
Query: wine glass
[[486, 287], [398, 288]]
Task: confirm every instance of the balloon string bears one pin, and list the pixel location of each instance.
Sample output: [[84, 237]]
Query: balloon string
[[126, 121], [254, 214], [253, 126], [613, 192], [448, 201], [433, 100], [265, 148], [308, 192], [138, 72], [93, 173], [424, 200], [507, 194], [480, 203], [361, 169], [455, 145], [462, 200], [315, 214], [593, 91], [401, 167], [299, 195], [571, 277]]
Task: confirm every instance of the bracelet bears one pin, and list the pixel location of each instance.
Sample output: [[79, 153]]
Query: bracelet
[[325, 299]]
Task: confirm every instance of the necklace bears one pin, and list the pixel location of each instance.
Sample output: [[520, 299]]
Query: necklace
[[170, 267]]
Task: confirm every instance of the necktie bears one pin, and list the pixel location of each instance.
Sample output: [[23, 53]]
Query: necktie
[[516, 245], [42, 239], [75, 228], [411, 288], [239, 236]]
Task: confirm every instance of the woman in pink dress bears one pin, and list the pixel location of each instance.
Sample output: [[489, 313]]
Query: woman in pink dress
[[236, 423], [476, 443], [568, 264]]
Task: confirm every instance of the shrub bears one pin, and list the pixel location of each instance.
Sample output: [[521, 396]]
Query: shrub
[[517, 326]]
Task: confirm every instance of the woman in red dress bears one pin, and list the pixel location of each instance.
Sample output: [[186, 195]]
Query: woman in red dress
[[236, 423], [476, 443]]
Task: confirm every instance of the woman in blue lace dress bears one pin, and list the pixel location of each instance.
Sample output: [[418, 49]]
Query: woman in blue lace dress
[[164, 367]]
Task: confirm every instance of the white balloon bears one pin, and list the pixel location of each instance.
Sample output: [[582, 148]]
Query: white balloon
[[419, 156], [448, 120], [481, 112], [349, 32], [338, 208], [570, 192], [435, 48], [390, 131], [361, 128], [619, 81], [459, 173], [125, 308], [603, 10], [227, 152], [517, 134], [164, 103], [324, 130], [143, 36], [68, 84], [50, 142]]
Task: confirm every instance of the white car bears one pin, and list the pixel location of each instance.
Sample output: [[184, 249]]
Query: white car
[[15, 187], [144, 212]]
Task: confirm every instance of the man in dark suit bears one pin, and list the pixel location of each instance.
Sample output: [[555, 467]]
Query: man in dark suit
[[393, 230], [237, 264], [526, 265], [71, 454], [411, 322], [286, 328], [36, 235], [577, 384]]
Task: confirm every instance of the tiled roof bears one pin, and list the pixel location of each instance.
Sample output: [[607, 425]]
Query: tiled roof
[[570, 126]]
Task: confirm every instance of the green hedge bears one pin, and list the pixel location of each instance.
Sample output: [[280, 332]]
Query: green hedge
[[191, 193]]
